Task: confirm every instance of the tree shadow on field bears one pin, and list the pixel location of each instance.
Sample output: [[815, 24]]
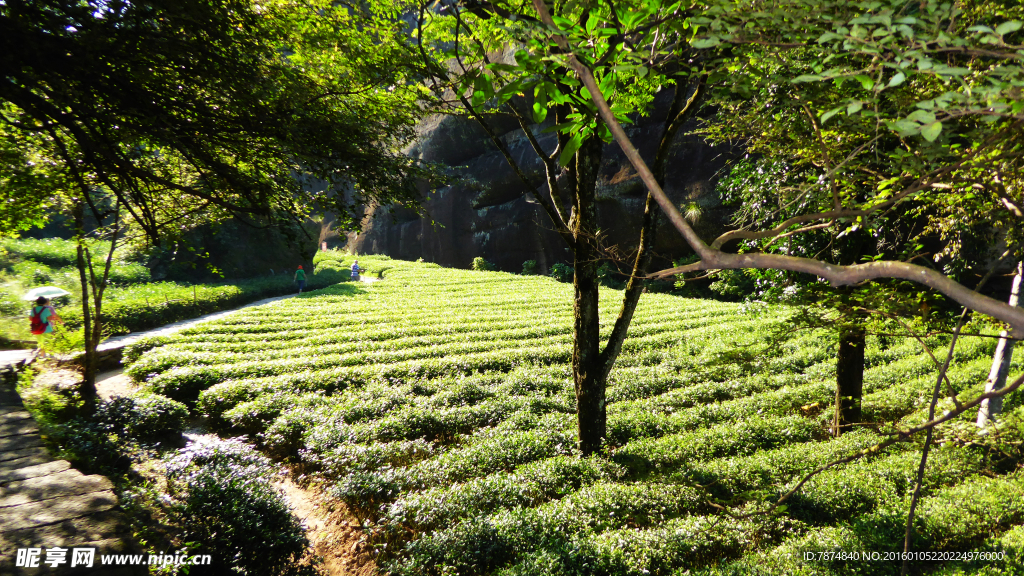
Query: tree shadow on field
[[340, 289]]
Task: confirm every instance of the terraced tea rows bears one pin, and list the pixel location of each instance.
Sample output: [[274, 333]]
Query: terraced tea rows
[[438, 405]]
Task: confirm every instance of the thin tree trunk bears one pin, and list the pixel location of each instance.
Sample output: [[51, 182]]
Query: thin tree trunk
[[908, 535], [89, 365], [591, 365], [588, 374], [990, 408], [849, 378]]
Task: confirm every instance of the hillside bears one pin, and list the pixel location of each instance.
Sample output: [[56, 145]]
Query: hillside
[[438, 406]]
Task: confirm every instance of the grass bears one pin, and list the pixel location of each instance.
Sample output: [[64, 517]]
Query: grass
[[439, 407], [132, 302]]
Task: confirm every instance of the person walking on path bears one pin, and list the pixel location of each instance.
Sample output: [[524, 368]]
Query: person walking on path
[[41, 320], [355, 270], [300, 278]]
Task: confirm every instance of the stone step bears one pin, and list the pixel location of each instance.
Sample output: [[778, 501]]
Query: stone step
[[12, 413], [25, 468], [66, 483], [9, 397], [95, 531], [17, 427], [69, 533], [16, 443], [55, 510], [37, 452]]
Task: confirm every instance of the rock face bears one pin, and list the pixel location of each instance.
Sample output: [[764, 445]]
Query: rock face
[[490, 213]]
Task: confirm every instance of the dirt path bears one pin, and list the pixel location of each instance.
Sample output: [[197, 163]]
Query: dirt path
[[114, 383], [336, 537]]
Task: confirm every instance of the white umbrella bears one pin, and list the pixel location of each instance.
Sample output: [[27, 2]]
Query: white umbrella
[[45, 292]]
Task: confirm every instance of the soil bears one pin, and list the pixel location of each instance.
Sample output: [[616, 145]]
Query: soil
[[113, 383], [335, 536]]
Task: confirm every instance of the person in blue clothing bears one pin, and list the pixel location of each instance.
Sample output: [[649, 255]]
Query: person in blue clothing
[[355, 270], [300, 278], [41, 319]]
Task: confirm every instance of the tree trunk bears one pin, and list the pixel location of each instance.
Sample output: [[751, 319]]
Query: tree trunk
[[989, 409], [849, 378], [89, 365], [588, 374], [591, 366]]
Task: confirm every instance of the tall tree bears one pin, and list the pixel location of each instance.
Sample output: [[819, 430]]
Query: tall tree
[[959, 133], [200, 110], [462, 46]]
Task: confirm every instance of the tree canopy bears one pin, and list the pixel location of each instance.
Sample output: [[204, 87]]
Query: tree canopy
[[208, 107]]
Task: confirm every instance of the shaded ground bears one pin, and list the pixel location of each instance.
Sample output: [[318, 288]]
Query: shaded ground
[[45, 503]]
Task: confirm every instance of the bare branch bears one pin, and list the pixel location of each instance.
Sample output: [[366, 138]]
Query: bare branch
[[550, 166]]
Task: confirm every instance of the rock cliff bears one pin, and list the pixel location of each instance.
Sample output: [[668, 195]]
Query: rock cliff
[[489, 213]]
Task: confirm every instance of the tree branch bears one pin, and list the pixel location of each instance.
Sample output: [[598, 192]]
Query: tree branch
[[712, 258]]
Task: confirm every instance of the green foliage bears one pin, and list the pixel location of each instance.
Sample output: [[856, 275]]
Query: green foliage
[[144, 417], [133, 303], [158, 303], [310, 106], [483, 265], [530, 268], [734, 284], [561, 272], [224, 501], [107, 440], [59, 253]]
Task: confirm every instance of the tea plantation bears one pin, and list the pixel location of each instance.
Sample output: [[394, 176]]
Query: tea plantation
[[438, 406]]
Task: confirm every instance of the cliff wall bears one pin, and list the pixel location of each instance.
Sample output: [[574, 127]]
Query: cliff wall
[[489, 213]]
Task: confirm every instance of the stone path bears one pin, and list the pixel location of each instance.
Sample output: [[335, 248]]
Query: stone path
[[45, 503], [10, 359]]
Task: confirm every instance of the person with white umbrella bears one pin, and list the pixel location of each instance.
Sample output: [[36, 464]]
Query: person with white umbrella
[[42, 316]]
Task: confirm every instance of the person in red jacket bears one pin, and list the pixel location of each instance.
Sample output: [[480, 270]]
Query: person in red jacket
[[41, 320]]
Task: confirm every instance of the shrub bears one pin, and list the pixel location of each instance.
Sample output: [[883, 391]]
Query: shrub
[[64, 340], [225, 502], [530, 268], [562, 272], [480, 264], [142, 416], [145, 306], [733, 284], [528, 485], [433, 406]]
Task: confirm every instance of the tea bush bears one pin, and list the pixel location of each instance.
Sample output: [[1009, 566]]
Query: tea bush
[[438, 406], [562, 272], [483, 265], [224, 501], [142, 416]]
